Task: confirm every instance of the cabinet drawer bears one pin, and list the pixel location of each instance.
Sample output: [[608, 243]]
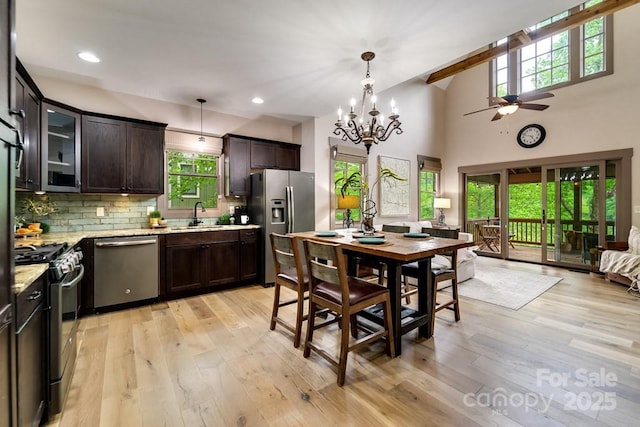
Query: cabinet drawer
[[29, 299], [249, 235], [202, 237]]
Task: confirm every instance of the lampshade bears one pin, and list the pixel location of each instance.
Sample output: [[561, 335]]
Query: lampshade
[[441, 203], [348, 202]]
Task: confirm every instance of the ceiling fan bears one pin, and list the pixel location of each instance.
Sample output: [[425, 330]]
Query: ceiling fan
[[509, 104]]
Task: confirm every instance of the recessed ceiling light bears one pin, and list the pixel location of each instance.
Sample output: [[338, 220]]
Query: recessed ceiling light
[[89, 57], [257, 100]]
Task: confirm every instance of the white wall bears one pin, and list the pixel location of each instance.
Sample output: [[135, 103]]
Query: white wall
[[421, 107], [598, 115], [179, 117]]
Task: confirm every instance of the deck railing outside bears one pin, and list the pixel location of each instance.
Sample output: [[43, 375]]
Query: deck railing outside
[[528, 231]]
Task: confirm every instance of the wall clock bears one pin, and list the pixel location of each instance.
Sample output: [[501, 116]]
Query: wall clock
[[531, 136]]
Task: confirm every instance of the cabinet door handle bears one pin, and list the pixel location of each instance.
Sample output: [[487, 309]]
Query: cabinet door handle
[[17, 112], [34, 296]]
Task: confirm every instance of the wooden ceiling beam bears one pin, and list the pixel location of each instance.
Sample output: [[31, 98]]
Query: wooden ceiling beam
[[523, 37]]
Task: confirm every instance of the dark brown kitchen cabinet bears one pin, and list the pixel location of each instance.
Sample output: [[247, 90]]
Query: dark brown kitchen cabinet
[[200, 261], [264, 155], [274, 155], [197, 262], [249, 254], [288, 157], [7, 184], [244, 154], [28, 100], [121, 156], [31, 353], [237, 151]]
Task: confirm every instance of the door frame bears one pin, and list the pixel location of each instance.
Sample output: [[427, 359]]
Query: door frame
[[621, 158]]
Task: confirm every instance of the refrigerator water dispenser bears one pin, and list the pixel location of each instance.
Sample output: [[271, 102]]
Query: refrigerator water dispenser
[[277, 211]]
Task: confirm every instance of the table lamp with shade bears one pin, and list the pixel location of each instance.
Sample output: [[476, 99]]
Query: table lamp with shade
[[348, 202], [441, 203]]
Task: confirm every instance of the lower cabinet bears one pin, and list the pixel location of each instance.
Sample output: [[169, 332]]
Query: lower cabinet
[[201, 261], [30, 353], [249, 254]]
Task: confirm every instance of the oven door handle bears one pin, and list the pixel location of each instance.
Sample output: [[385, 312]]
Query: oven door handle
[[73, 282]]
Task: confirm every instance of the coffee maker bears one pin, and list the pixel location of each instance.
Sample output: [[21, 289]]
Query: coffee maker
[[241, 214]]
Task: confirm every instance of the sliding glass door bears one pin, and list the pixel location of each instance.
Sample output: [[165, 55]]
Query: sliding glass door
[[483, 211], [579, 211], [550, 210]]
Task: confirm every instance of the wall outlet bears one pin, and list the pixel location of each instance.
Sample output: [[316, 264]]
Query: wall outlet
[[636, 209], [100, 211], [150, 209]]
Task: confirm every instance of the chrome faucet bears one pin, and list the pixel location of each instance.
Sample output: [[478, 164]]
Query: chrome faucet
[[195, 221]]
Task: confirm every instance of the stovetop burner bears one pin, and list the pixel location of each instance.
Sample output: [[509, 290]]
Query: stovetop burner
[[25, 255]]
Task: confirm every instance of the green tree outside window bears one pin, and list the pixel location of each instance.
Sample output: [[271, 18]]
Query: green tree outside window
[[193, 177]]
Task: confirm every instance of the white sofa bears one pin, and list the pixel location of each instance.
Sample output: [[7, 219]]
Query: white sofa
[[466, 256], [624, 264]]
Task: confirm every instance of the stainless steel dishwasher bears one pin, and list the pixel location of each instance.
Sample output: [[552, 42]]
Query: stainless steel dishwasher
[[125, 270]]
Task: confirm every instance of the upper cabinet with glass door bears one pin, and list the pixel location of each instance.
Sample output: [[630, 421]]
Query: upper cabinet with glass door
[[60, 149]]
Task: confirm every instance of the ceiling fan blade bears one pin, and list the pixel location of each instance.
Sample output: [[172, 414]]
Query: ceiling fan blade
[[527, 98], [498, 116], [537, 107], [484, 109], [497, 100]]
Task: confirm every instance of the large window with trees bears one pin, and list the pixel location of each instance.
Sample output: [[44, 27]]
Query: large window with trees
[[347, 169], [193, 173], [569, 57], [193, 177], [428, 186]]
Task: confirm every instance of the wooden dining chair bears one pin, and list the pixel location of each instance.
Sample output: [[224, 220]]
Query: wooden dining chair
[[290, 273], [440, 275], [331, 288]]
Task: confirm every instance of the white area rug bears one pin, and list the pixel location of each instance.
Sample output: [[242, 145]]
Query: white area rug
[[507, 288]]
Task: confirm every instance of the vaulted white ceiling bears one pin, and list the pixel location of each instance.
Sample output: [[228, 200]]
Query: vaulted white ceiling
[[302, 57]]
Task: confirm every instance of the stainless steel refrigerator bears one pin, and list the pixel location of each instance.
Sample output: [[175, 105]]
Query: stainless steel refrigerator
[[282, 202]]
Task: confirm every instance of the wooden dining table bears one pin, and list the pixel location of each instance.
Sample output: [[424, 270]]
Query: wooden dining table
[[394, 252]]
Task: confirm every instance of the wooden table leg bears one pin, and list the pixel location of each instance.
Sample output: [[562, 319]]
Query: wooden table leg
[[425, 296], [394, 273]]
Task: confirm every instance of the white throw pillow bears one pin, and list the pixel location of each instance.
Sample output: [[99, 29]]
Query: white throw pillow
[[634, 240]]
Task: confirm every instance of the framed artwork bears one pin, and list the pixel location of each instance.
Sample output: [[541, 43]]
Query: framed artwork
[[393, 193]]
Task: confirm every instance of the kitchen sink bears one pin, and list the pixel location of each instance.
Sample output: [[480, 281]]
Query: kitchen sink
[[196, 227]]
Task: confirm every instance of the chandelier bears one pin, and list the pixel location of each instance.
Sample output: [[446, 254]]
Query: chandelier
[[373, 130]]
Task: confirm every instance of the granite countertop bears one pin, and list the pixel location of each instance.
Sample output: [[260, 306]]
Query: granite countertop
[[27, 274]]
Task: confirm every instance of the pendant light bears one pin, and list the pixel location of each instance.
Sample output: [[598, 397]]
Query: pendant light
[[201, 139]]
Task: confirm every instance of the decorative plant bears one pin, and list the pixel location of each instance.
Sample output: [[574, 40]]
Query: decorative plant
[[224, 219], [18, 221], [39, 206], [355, 180], [155, 214]]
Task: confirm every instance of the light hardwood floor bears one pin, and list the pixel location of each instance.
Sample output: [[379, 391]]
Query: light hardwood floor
[[212, 361]]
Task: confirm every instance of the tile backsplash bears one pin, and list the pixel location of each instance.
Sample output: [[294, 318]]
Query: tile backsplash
[[78, 212]]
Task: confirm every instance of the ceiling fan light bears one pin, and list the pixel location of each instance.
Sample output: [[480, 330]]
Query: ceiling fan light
[[507, 109]]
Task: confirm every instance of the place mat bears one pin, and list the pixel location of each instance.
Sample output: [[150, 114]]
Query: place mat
[[416, 235], [378, 243], [326, 234]]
